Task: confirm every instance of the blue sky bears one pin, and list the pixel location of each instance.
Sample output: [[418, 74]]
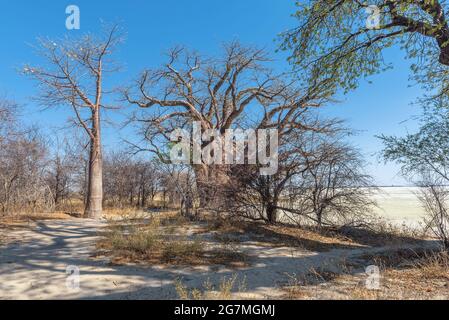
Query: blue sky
[[152, 27]]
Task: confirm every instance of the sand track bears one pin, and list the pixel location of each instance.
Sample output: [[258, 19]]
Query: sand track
[[34, 260]]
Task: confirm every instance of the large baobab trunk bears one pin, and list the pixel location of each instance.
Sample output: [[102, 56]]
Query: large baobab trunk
[[94, 203], [210, 179]]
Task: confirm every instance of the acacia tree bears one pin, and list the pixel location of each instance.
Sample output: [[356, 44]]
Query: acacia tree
[[73, 76], [255, 196], [424, 158], [259, 197], [434, 196], [334, 189], [426, 150], [220, 93], [335, 35]]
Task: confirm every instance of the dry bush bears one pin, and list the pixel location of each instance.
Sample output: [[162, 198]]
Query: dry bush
[[405, 274], [124, 213], [226, 230], [136, 239], [375, 233], [209, 291], [434, 196], [163, 239], [434, 265], [426, 263], [424, 276], [379, 232], [23, 164], [218, 224]]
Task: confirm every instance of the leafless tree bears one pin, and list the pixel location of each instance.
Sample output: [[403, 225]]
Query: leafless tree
[[73, 76], [23, 163], [129, 180], [63, 168], [319, 180], [23, 158], [258, 197], [336, 192], [219, 93], [179, 184]]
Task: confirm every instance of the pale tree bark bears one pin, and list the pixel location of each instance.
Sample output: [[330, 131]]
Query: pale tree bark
[[74, 77], [94, 203]]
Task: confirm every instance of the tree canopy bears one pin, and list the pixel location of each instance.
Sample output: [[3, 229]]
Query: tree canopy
[[336, 38], [427, 150]]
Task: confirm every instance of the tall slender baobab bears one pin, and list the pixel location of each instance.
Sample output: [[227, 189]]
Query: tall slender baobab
[[73, 76]]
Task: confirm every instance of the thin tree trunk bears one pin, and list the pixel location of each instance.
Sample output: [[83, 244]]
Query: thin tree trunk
[[144, 197], [271, 213], [320, 219]]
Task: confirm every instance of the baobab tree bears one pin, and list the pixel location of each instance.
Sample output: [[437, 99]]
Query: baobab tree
[[73, 76], [236, 90]]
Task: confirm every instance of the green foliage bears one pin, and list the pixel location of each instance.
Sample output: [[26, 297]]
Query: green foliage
[[426, 150], [332, 40]]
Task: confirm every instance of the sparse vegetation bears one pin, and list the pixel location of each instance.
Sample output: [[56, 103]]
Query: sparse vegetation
[[164, 239], [376, 234], [224, 164], [224, 291], [404, 274]]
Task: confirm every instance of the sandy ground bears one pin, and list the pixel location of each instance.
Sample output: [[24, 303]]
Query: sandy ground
[[33, 265]]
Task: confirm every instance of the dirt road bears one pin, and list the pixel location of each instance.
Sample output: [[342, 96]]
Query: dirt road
[[34, 262]]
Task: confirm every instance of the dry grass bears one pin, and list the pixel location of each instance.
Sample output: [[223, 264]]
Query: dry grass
[[163, 239], [209, 291], [427, 277], [20, 220], [134, 239], [382, 233], [404, 275], [377, 234], [114, 213], [281, 235], [434, 265]]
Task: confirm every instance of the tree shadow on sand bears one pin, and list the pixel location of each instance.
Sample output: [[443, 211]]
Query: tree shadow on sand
[[43, 262]]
